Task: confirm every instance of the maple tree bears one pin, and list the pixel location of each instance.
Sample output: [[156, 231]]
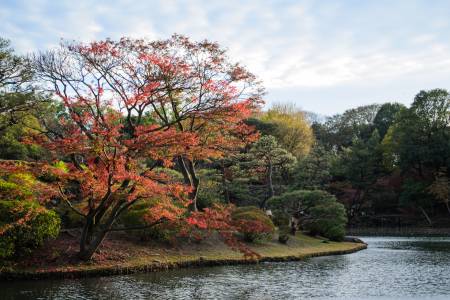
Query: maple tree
[[188, 86], [133, 106]]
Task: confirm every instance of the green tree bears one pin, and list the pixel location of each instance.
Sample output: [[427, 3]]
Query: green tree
[[419, 139], [314, 171], [415, 195], [20, 105], [290, 128], [339, 130], [16, 93], [24, 223], [317, 211], [386, 116], [267, 162], [360, 165], [418, 144]]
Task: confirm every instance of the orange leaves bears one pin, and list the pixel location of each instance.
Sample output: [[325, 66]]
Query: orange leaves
[[214, 218], [218, 218], [142, 96], [98, 48], [164, 208], [133, 107], [172, 97]]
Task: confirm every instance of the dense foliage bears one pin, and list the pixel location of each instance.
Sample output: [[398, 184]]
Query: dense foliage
[[317, 211], [24, 223], [394, 170]]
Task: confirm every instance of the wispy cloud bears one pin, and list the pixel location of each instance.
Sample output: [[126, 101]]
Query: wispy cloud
[[303, 50]]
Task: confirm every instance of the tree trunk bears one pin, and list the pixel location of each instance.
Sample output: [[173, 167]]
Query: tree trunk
[[353, 207], [293, 225], [190, 177], [87, 250], [94, 232], [270, 174], [224, 184], [195, 184], [426, 215], [271, 191]]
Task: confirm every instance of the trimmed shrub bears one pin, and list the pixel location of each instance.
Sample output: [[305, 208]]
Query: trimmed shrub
[[26, 225], [328, 220], [253, 223], [319, 212], [281, 220]]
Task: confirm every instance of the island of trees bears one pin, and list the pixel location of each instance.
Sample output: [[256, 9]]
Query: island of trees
[[168, 140]]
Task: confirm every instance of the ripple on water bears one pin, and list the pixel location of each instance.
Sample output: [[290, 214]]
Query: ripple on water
[[391, 268]]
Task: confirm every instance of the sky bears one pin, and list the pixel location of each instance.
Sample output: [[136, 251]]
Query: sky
[[324, 56]]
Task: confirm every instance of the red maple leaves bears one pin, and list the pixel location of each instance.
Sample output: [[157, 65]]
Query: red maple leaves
[[135, 109]]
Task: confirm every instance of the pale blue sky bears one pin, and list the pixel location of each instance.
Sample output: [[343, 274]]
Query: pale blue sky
[[325, 56]]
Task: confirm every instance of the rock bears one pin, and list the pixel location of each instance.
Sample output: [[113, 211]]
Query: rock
[[353, 239]]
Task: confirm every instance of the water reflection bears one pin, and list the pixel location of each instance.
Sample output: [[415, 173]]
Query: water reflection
[[391, 268]]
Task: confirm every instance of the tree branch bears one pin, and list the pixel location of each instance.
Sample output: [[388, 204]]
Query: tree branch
[[162, 220], [69, 203]]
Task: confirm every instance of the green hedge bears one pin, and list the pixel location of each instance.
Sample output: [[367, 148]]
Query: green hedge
[[319, 212], [21, 237]]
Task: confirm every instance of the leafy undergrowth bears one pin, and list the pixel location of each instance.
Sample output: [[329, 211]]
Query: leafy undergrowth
[[121, 252]]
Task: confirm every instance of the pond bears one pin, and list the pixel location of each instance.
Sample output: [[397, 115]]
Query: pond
[[391, 268]]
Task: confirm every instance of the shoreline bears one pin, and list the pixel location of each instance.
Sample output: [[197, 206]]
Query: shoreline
[[399, 231], [269, 253]]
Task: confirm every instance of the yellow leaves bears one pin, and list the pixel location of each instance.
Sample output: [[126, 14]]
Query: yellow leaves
[[441, 186], [60, 165], [388, 147], [292, 130], [20, 185]]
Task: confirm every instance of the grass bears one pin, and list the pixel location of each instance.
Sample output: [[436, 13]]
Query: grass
[[123, 256]]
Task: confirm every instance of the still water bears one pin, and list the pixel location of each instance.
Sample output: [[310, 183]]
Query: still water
[[391, 268]]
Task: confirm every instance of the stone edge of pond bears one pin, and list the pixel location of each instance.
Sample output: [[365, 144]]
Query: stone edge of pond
[[162, 266]]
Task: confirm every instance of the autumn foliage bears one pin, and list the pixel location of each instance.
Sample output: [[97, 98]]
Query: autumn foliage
[[230, 221], [25, 223], [134, 109]]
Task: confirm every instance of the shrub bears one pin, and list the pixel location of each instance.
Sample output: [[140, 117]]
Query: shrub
[[319, 211], [135, 216], [253, 224], [328, 220], [26, 225], [281, 220]]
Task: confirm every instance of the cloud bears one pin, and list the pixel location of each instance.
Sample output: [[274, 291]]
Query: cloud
[[291, 45]]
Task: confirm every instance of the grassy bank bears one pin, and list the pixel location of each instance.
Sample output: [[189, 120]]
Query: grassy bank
[[124, 257]]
